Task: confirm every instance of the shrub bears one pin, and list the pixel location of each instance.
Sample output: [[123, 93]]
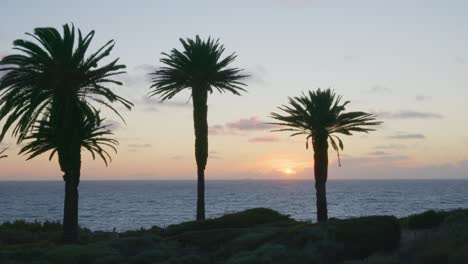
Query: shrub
[[207, 239], [131, 246], [302, 234], [364, 236], [80, 254], [457, 216], [155, 255], [20, 231], [248, 218], [250, 240], [447, 244], [426, 220], [269, 253]]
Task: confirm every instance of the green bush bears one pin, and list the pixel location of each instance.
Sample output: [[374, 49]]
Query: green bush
[[155, 255], [269, 253], [80, 254], [426, 220], [446, 244], [250, 240], [457, 216], [302, 234], [207, 239], [20, 231], [247, 218], [131, 246], [363, 236]]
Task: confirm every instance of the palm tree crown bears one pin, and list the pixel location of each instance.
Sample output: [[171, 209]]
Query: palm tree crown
[[320, 114], [199, 66], [55, 75]]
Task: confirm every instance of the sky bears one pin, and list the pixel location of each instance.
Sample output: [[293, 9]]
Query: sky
[[404, 60]]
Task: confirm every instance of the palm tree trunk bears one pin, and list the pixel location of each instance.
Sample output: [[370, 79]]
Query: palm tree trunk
[[321, 174], [70, 164], [200, 115], [70, 210]]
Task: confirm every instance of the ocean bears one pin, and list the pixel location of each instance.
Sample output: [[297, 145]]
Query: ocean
[[127, 205]]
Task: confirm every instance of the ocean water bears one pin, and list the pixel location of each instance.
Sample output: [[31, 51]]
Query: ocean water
[[129, 205]]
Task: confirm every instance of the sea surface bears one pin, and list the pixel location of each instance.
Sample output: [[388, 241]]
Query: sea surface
[[127, 205]]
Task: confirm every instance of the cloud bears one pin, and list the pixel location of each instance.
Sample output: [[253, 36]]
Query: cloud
[[218, 130], [240, 126], [379, 89], [409, 114], [264, 139], [407, 136], [421, 98], [252, 123], [136, 147], [378, 153], [152, 104], [350, 58], [177, 157], [146, 68], [461, 60], [113, 125], [139, 145], [297, 3], [390, 146], [257, 74], [139, 76], [214, 155]]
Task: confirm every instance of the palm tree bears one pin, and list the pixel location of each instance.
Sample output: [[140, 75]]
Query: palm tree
[[320, 116], [53, 79], [1, 153], [200, 68]]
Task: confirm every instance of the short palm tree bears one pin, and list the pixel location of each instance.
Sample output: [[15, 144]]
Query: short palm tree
[[53, 79], [200, 68], [319, 115]]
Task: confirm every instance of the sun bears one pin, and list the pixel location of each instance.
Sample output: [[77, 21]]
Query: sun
[[288, 171]]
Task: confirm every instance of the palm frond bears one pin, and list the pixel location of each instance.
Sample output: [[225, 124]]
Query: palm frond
[[321, 114], [51, 71], [93, 137], [1, 153], [198, 66]]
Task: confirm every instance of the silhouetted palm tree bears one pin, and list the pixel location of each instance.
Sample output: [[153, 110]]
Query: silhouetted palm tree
[[320, 116], [200, 68], [1, 152], [53, 79]]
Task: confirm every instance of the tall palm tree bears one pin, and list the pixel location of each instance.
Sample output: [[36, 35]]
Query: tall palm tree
[[200, 68], [319, 115], [52, 78]]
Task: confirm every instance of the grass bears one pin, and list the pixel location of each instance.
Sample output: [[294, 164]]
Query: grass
[[253, 236]]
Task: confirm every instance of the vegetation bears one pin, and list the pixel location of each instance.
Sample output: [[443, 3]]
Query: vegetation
[[319, 115], [48, 97], [200, 68], [257, 235], [253, 236]]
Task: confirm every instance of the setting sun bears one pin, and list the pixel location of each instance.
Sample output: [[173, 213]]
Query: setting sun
[[289, 171]]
